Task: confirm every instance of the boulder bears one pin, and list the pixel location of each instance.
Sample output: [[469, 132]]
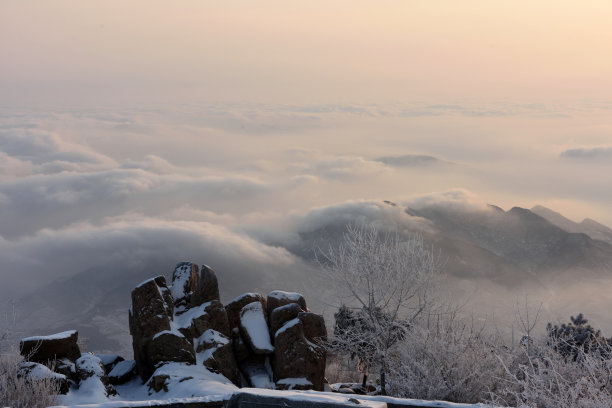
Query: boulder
[[169, 346], [254, 328], [282, 315], [314, 327], [315, 366], [290, 351], [90, 369], [279, 298], [296, 357], [151, 313], [214, 317], [234, 307], [184, 282], [214, 350], [207, 287], [122, 372], [33, 372], [45, 349]]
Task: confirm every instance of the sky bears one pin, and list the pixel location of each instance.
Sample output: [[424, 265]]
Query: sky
[[128, 125]]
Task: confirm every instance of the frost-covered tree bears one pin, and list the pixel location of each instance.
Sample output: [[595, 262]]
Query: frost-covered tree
[[384, 282], [578, 335]]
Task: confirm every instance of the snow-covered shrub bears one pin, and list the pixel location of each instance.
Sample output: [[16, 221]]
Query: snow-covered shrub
[[17, 391], [546, 378], [447, 360]]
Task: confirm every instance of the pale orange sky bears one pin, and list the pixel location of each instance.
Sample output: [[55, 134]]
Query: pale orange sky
[[306, 51]]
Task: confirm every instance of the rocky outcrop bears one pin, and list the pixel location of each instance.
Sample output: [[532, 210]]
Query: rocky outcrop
[[45, 349], [255, 341]]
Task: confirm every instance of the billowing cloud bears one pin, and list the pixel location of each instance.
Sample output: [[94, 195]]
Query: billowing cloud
[[42, 201], [588, 153], [131, 244], [48, 152]]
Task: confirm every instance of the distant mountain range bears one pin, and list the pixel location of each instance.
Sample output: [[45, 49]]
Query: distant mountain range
[[486, 244], [510, 248]]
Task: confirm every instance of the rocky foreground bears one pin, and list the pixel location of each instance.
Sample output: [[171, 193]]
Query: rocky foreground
[[270, 342]]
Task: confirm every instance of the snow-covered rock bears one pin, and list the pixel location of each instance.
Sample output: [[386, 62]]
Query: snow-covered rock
[[175, 380], [169, 345], [254, 328], [90, 371], [43, 349], [282, 315], [184, 282], [39, 372], [122, 372], [278, 298], [234, 307], [214, 350]]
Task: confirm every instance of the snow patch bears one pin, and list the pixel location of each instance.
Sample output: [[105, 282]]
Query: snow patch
[[181, 276], [282, 295], [57, 336], [172, 331], [253, 321], [212, 336], [122, 368], [286, 326], [90, 364], [184, 320], [239, 298]]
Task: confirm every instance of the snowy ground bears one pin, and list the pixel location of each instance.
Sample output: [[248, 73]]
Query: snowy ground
[[190, 385]]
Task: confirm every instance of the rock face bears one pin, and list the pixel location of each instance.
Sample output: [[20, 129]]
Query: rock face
[[214, 317], [207, 288], [170, 346], [151, 313], [297, 354], [42, 349], [184, 283], [214, 350]]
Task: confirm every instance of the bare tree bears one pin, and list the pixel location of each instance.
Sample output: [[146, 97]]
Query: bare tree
[[384, 283]]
